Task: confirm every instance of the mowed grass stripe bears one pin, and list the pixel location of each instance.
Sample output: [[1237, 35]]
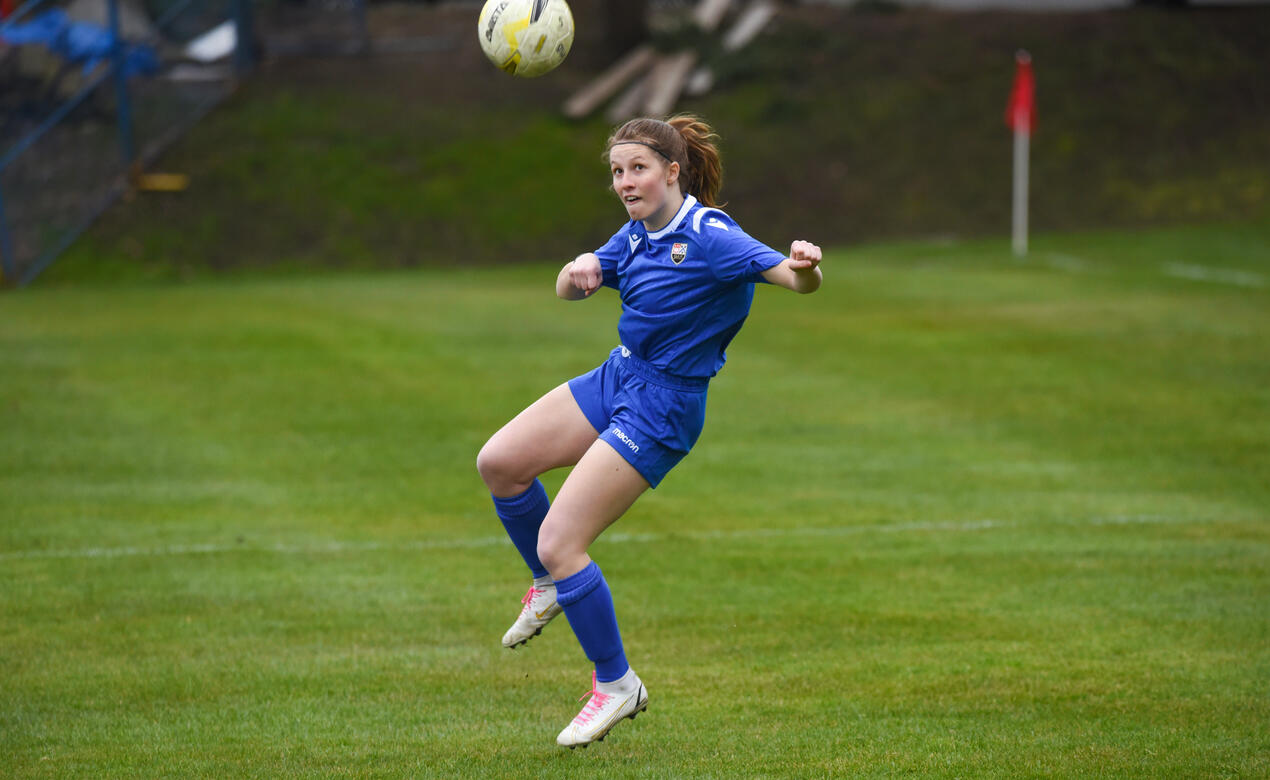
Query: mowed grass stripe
[[954, 515]]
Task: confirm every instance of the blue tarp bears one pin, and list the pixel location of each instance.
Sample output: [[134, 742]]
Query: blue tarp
[[79, 42]]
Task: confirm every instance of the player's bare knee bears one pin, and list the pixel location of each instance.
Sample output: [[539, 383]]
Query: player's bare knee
[[485, 464], [497, 468], [552, 554], [559, 553], [547, 554]]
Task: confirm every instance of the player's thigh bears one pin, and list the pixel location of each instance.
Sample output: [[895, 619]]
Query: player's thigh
[[596, 493], [550, 433]]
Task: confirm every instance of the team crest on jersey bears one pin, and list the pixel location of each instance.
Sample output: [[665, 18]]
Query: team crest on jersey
[[678, 252]]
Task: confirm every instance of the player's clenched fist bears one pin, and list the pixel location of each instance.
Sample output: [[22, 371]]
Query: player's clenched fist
[[803, 254], [585, 273]]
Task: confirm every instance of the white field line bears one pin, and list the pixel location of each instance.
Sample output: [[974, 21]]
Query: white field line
[[1197, 273], [1066, 262], [335, 547], [1203, 273], [281, 549]]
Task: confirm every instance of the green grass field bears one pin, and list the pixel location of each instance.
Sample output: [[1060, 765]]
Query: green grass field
[[955, 515]]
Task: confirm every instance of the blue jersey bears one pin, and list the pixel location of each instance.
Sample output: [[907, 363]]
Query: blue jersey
[[686, 289]]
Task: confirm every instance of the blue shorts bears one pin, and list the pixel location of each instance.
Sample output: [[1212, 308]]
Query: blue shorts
[[651, 418]]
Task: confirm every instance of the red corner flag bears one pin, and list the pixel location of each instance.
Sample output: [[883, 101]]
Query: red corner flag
[[1020, 113]]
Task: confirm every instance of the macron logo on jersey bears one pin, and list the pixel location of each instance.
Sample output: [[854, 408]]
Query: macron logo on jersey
[[634, 242], [715, 222]]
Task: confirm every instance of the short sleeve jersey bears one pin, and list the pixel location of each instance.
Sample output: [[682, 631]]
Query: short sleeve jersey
[[686, 289]]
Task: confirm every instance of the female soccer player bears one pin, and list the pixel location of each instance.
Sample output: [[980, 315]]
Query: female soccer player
[[686, 273]]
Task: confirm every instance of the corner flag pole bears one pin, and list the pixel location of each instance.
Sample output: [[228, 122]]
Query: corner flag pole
[[1020, 116]]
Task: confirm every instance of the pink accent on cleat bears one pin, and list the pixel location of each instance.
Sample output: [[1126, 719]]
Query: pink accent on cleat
[[529, 597], [594, 706], [540, 606], [610, 702]]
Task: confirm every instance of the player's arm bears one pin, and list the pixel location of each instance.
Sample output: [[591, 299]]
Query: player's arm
[[800, 271], [579, 277]]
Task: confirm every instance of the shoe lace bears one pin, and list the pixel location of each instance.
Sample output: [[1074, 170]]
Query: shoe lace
[[529, 597], [593, 707]]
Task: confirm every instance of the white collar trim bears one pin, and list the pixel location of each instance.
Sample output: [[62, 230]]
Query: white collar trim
[[689, 202]]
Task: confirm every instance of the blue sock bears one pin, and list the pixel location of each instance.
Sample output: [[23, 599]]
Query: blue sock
[[588, 605], [522, 516]]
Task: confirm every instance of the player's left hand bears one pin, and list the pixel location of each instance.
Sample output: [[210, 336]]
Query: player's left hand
[[803, 255]]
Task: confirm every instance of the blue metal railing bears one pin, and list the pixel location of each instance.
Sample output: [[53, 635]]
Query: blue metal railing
[[14, 272]]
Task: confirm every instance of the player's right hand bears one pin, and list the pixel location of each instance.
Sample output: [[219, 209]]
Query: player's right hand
[[585, 273]]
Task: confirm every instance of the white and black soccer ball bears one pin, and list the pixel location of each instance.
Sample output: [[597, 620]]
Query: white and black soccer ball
[[526, 37]]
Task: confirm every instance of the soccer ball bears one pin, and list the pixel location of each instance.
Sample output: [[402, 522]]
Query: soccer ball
[[526, 37]]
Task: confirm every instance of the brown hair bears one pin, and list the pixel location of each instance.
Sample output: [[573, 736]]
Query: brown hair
[[684, 139]]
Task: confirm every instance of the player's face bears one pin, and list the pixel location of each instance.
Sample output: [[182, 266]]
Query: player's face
[[645, 182]]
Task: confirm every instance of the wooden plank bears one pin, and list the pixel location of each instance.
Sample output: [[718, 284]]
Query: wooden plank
[[604, 86], [752, 21], [709, 13], [700, 82], [666, 82], [628, 105]]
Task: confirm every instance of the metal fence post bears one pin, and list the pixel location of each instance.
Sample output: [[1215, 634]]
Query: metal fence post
[[10, 271], [244, 48], [124, 104], [359, 22]]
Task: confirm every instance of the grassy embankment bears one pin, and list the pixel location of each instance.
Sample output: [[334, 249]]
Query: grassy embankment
[[843, 128]]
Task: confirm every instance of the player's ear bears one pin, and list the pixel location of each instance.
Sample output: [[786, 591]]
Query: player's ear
[[672, 173]]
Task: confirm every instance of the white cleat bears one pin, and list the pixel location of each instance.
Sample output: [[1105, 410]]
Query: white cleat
[[609, 703], [540, 607]]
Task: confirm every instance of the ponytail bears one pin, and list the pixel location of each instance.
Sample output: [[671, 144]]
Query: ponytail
[[704, 169], [684, 139]]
